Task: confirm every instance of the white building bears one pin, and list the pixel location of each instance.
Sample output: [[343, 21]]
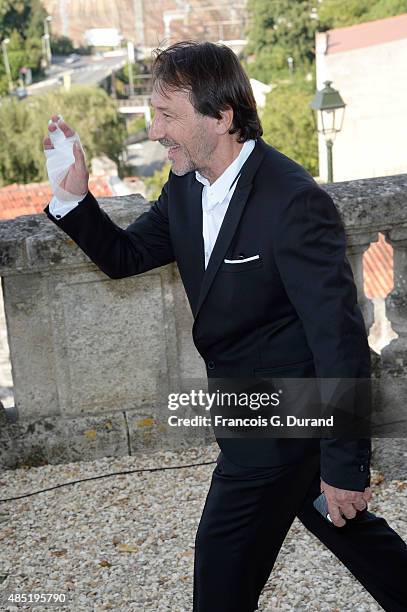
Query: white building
[[367, 63], [103, 37]]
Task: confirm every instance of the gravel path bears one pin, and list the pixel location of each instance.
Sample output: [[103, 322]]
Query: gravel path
[[125, 543]]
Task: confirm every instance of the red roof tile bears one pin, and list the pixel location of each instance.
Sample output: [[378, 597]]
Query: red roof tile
[[378, 269], [19, 199], [366, 34]]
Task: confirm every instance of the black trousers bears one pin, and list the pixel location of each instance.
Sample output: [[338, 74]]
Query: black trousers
[[246, 516]]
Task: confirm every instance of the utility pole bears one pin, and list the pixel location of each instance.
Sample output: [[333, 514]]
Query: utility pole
[[4, 44], [130, 58], [139, 34], [47, 40]]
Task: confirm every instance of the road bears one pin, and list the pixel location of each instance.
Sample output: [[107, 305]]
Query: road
[[89, 70]]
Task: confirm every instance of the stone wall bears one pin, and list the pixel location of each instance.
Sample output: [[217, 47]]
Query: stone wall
[[93, 359]]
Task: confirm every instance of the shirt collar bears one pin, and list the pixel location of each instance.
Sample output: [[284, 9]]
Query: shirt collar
[[218, 191]]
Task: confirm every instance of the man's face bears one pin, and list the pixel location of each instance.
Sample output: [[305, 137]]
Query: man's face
[[190, 137]]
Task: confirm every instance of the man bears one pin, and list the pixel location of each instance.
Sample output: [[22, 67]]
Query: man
[[261, 252]]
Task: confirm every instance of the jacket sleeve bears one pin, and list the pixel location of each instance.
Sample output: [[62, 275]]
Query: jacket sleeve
[[143, 245], [310, 251]]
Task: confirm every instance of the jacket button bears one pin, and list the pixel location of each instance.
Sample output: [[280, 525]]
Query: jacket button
[[211, 365], [362, 468]]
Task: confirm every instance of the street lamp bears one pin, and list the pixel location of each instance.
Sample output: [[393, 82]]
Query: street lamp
[[329, 109], [48, 53], [4, 44]]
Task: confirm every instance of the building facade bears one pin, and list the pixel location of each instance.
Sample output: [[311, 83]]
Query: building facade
[[367, 63]]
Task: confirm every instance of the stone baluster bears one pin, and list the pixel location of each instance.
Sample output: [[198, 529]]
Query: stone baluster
[[358, 243], [394, 355]]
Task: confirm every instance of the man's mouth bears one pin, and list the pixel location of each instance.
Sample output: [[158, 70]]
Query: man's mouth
[[172, 150]]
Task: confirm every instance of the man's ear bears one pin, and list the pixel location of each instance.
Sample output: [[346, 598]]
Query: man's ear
[[224, 124]]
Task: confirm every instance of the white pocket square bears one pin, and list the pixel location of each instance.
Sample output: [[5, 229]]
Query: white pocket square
[[238, 261]]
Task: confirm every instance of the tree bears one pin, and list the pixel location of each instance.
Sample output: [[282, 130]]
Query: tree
[[25, 16], [288, 125], [278, 30], [286, 28], [156, 182], [24, 124], [61, 45], [23, 23], [341, 13]]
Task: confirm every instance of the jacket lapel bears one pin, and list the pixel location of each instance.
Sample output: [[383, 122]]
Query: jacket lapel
[[190, 243], [231, 220]]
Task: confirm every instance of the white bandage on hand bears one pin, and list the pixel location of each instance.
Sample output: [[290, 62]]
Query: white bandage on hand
[[58, 161]]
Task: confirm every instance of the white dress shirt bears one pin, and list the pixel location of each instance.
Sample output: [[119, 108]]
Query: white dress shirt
[[215, 199]]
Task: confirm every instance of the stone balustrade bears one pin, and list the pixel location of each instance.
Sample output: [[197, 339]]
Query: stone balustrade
[[93, 358]]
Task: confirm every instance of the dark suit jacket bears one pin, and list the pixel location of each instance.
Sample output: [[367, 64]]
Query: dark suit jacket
[[292, 311]]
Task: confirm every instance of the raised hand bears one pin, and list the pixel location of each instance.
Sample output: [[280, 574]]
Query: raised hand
[[66, 164]]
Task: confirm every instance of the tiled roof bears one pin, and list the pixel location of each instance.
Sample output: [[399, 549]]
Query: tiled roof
[[366, 34], [18, 199], [378, 269]]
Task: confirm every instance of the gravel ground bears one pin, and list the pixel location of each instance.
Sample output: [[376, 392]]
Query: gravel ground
[[125, 543]]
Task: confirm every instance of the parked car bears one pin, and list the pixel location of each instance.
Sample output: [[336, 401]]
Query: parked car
[[73, 57]]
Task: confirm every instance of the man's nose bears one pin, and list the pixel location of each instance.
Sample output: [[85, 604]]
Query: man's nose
[[155, 131]]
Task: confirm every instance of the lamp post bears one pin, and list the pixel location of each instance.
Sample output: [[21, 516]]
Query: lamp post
[[4, 44], [290, 62], [47, 40], [329, 110]]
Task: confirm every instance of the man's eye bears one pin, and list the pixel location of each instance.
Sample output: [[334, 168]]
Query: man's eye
[[166, 115]]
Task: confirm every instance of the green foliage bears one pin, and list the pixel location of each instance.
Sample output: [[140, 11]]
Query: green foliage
[[61, 45], [20, 15], [288, 125], [23, 22], [280, 29], [156, 182], [123, 73], [24, 16], [24, 124], [387, 8], [136, 124], [341, 13], [122, 79]]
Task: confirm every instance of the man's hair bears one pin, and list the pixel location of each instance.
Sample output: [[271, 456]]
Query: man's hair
[[215, 80]]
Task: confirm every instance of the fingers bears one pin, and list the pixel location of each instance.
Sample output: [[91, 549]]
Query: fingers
[[341, 511], [348, 511], [52, 122], [360, 505], [68, 131], [335, 515], [47, 144], [367, 494], [64, 127], [79, 155]]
